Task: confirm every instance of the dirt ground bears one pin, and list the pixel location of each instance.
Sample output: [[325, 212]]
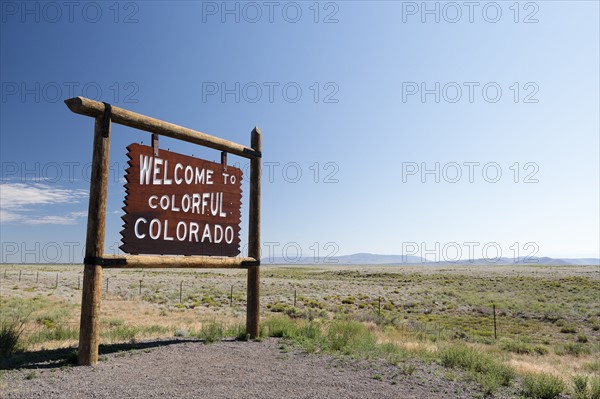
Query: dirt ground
[[192, 369]]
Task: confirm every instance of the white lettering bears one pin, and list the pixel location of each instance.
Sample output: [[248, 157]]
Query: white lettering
[[137, 233], [178, 166], [145, 167], [155, 178]]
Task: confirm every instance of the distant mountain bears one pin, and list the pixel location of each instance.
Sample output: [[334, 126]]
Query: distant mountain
[[355, 259], [376, 259], [528, 261]]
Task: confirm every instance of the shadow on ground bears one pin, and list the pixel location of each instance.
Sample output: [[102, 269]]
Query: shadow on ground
[[57, 358]]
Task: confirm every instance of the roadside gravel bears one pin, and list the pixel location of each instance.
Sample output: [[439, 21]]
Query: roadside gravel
[[267, 369]]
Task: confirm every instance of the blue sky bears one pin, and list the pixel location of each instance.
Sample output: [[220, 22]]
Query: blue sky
[[355, 100]]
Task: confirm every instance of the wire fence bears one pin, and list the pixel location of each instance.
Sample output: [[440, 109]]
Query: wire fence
[[189, 293]]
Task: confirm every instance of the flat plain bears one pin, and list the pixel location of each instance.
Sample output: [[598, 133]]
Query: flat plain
[[530, 322]]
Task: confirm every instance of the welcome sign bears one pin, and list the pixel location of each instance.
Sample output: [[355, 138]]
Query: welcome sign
[[180, 205]]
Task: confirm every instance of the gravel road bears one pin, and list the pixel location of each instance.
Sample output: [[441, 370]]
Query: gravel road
[[267, 369]]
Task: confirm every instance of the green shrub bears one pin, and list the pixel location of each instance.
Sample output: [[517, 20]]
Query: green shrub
[[568, 329], [392, 353], [10, 335], [408, 369], [238, 331], [595, 388], [489, 371], [209, 301], [580, 383], [312, 303], [576, 349], [279, 327], [540, 350], [289, 310], [542, 386], [278, 307], [349, 338], [181, 332], [582, 338], [308, 336], [211, 332], [593, 366], [116, 322], [349, 301], [515, 346]]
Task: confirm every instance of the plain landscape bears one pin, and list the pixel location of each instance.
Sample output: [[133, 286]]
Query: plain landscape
[[334, 331]]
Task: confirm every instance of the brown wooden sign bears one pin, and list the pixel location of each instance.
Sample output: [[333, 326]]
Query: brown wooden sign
[[175, 205], [180, 205]]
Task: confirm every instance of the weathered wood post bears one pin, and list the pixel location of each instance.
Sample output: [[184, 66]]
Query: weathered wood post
[[495, 332], [253, 294], [89, 334], [180, 291]]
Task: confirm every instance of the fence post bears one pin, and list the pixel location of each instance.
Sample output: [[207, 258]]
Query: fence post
[[180, 291], [231, 296], [56, 285], [295, 298], [20, 271], [140, 287], [37, 277], [495, 332], [379, 310]]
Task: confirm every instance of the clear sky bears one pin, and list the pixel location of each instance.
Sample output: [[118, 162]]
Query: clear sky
[[498, 101]]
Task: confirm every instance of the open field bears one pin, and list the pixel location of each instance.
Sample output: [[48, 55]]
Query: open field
[[547, 317]]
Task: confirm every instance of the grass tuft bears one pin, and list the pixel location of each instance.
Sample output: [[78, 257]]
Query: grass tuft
[[542, 386], [489, 371], [10, 335], [580, 383]]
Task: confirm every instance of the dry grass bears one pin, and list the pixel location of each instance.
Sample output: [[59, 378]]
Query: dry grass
[[423, 308], [564, 367]]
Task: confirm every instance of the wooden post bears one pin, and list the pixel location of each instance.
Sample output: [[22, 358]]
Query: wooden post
[[91, 296], [180, 291], [140, 287], [295, 296], [495, 333], [231, 296], [253, 294], [20, 271], [37, 277]]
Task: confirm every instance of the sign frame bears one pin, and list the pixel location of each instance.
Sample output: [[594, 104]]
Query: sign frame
[[95, 258]]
